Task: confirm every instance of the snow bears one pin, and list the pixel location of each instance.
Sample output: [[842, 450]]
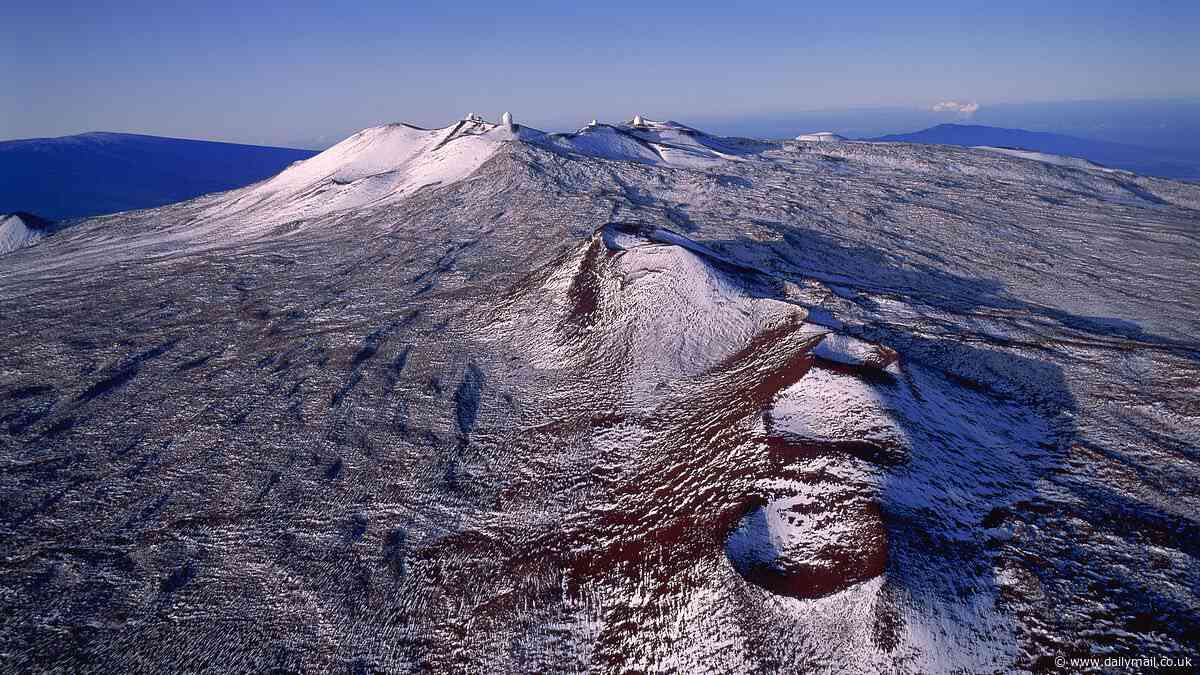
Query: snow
[[854, 352], [647, 141], [831, 407], [663, 306], [19, 231], [14, 234], [605, 142], [820, 137], [373, 167], [1047, 158]]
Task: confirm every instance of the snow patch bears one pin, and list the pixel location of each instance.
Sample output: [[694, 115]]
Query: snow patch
[[854, 352], [21, 230], [1057, 160], [820, 137]]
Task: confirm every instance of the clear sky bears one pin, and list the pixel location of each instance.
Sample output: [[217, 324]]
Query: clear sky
[[301, 73]]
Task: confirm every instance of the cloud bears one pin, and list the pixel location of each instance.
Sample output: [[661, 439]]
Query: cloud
[[967, 109]]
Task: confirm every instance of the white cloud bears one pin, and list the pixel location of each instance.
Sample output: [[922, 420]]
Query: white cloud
[[967, 109]]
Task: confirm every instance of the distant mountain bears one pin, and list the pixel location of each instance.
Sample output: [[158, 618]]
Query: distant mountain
[[95, 173], [1184, 165]]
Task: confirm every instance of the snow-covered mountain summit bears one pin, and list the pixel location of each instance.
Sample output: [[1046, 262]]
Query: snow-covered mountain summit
[[376, 166], [386, 163]]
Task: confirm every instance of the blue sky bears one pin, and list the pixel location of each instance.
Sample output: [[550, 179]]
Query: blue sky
[[309, 73]]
